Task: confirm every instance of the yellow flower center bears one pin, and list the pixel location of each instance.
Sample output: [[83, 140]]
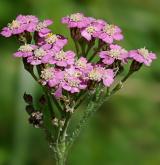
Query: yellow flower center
[[25, 48], [76, 17], [109, 29], [114, 52], [73, 83], [74, 74], [144, 52], [90, 29], [39, 53], [81, 63], [60, 56], [14, 24], [47, 74], [77, 74], [51, 38], [95, 75], [40, 26]]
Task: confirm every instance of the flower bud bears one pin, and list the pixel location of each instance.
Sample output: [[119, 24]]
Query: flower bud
[[28, 98], [42, 100], [55, 121], [61, 122], [36, 118], [30, 109]]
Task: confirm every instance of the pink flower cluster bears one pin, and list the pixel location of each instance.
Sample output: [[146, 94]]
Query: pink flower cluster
[[26, 23], [76, 77], [142, 56], [91, 28], [64, 70], [115, 52]]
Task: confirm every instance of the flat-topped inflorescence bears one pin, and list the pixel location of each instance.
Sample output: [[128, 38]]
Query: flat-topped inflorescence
[[76, 72], [68, 77]]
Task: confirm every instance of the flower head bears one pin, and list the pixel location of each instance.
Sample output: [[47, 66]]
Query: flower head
[[25, 50], [108, 77], [83, 65], [28, 21], [19, 25], [92, 29], [77, 20], [142, 56], [39, 56], [73, 81], [51, 76], [53, 41], [96, 73], [62, 58], [99, 73], [116, 52], [42, 27], [13, 28], [109, 33]]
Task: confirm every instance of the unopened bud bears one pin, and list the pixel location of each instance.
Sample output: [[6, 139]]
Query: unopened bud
[[28, 98], [36, 119], [29, 109], [42, 100], [61, 123], [55, 121]]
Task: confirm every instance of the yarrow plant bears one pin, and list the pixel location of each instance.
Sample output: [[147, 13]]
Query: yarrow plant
[[88, 76]]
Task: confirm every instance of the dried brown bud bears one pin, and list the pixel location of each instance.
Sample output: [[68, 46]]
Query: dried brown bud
[[29, 109], [36, 118], [28, 98], [42, 100]]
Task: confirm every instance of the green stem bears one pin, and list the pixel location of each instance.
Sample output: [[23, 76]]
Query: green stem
[[60, 148], [120, 84], [47, 92], [58, 105], [82, 123], [60, 161], [73, 33], [61, 142], [82, 44], [127, 76], [76, 46], [88, 49], [80, 99], [93, 55], [100, 45], [34, 76], [64, 129], [49, 103], [92, 107]]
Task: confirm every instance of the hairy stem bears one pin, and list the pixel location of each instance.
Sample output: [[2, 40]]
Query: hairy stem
[[90, 109], [64, 129], [80, 99]]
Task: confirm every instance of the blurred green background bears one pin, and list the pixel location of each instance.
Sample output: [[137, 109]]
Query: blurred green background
[[126, 131]]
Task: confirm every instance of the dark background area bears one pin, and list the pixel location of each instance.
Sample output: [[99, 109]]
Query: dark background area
[[126, 131]]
